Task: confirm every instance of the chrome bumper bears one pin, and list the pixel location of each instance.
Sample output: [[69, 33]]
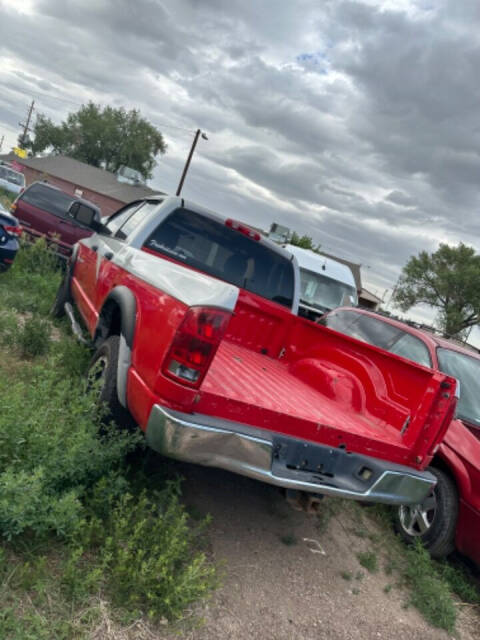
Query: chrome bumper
[[280, 460]]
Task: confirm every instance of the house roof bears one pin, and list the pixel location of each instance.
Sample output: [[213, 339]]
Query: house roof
[[371, 297], [85, 175]]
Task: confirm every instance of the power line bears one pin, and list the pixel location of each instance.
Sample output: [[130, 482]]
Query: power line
[[36, 94]]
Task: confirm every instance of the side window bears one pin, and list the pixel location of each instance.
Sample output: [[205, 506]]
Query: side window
[[120, 217], [136, 219], [83, 213], [413, 349], [48, 199]]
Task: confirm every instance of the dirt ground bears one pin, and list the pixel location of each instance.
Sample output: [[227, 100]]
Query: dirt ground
[[272, 590]]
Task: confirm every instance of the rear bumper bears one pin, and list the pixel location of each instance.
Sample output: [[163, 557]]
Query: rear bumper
[[282, 460]]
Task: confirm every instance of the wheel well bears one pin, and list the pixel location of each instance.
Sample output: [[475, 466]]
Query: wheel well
[[109, 323], [439, 463]]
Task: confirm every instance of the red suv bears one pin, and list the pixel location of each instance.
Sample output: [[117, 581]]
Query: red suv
[[46, 210]]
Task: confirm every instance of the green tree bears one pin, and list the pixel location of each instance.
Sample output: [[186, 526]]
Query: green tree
[[106, 137], [304, 242], [447, 280]]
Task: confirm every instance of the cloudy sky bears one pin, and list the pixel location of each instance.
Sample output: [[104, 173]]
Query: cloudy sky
[[357, 122]]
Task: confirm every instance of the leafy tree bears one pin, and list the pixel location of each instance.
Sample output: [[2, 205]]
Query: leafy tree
[[447, 280], [106, 137], [304, 242]]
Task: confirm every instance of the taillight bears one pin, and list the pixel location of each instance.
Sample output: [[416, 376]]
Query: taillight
[[195, 344], [13, 231], [242, 228]]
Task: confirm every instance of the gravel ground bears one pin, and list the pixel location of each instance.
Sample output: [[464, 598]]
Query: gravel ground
[[273, 590]]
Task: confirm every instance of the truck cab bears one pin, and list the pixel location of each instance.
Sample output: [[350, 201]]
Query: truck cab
[[324, 283]]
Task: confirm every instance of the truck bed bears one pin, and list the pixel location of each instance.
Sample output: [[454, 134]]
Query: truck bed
[[318, 398]]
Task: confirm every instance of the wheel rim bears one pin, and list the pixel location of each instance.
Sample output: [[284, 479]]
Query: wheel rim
[[417, 520], [96, 376]]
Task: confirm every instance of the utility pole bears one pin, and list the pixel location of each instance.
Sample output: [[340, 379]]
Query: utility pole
[[26, 127], [187, 164], [1, 142]]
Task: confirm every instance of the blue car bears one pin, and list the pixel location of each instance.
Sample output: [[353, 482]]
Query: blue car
[[10, 231]]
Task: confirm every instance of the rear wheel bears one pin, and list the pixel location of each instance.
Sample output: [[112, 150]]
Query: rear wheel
[[102, 380], [63, 296], [434, 520]]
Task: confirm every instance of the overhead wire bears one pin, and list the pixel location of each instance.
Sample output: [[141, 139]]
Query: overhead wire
[[36, 93]]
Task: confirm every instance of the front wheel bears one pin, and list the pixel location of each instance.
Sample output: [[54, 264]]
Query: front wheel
[[102, 380], [434, 521]]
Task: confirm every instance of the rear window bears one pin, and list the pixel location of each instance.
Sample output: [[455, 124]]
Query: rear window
[[212, 247], [379, 333], [51, 200]]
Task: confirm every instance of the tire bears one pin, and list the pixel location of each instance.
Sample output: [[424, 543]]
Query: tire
[[434, 521], [102, 378], [62, 296]]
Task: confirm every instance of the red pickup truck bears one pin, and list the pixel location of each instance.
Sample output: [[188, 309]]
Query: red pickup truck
[[193, 317]]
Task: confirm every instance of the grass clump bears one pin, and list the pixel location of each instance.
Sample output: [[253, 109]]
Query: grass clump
[[29, 286], [34, 337], [459, 581], [289, 540], [430, 594], [368, 560]]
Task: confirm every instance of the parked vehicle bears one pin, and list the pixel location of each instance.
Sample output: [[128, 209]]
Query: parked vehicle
[[324, 283], [11, 180], [10, 231], [46, 210], [450, 515], [194, 320]]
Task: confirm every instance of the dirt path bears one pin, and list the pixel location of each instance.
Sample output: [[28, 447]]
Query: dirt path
[[273, 590]]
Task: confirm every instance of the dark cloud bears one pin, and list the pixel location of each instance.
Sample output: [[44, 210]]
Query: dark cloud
[[353, 121]]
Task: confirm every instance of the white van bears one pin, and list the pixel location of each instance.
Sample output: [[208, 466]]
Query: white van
[[324, 283]]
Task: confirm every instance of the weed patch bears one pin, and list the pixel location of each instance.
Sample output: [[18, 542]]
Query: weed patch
[[429, 592], [368, 560]]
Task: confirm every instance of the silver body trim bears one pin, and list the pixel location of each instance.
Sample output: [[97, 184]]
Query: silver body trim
[[248, 452]]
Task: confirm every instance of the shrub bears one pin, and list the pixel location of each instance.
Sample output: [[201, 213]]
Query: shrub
[[34, 337], [50, 452], [146, 559]]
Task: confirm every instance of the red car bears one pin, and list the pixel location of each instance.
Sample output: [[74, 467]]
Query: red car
[[450, 515]]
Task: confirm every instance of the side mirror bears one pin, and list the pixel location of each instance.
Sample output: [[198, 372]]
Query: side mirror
[[85, 216]]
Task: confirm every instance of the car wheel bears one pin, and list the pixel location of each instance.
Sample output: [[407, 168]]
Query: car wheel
[[63, 296], [102, 382], [433, 521]]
